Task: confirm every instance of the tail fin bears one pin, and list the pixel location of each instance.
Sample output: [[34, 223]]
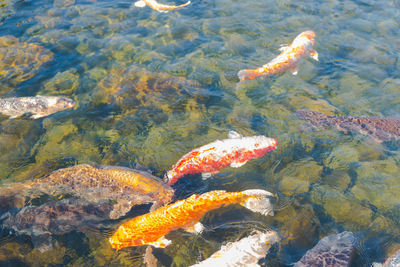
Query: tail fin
[[247, 75], [183, 5], [259, 201]]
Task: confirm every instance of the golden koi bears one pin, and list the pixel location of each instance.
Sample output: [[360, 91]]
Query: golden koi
[[301, 46], [159, 7], [151, 228]]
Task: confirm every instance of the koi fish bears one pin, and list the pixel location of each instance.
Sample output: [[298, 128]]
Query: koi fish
[[38, 106], [392, 261], [209, 159], [245, 252], [379, 129], [151, 228], [159, 7], [41, 223], [333, 250], [124, 186], [302, 45]]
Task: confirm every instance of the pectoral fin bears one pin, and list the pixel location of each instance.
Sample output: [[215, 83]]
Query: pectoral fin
[[195, 229], [294, 70], [140, 3], [314, 55], [234, 134], [283, 47], [37, 116], [162, 242], [237, 164]]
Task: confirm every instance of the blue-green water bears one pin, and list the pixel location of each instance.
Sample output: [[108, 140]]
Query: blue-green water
[[150, 87]]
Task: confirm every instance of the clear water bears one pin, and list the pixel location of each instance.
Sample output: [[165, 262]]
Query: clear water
[[150, 87]]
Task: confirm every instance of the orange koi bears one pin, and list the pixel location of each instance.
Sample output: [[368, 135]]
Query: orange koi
[[301, 46], [151, 228]]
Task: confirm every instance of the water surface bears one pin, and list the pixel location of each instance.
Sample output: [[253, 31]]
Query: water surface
[[150, 87]]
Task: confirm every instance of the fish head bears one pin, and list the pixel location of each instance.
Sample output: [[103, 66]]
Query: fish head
[[310, 35], [304, 38], [261, 144], [64, 103]]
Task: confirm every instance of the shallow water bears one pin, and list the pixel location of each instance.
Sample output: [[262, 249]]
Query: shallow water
[[150, 87]]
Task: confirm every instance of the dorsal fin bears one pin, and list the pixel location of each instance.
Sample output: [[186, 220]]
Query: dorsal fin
[[233, 134]]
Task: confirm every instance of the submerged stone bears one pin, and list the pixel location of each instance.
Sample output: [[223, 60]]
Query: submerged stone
[[333, 250], [19, 61]]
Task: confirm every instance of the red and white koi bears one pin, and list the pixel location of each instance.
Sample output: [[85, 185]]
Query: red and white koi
[[302, 45], [151, 228], [159, 7], [209, 159]]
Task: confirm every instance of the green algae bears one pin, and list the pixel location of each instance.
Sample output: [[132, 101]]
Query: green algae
[[297, 177], [20, 60]]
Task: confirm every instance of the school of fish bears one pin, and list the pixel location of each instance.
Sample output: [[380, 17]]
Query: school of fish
[[109, 192]]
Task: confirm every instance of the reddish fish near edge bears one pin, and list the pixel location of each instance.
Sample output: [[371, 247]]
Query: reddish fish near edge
[[302, 45], [209, 159]]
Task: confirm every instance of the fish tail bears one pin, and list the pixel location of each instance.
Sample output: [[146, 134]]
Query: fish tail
[[183, 5], [249, 74], [257, 200]]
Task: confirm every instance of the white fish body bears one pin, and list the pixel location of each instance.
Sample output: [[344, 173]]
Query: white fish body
[[245, 252]]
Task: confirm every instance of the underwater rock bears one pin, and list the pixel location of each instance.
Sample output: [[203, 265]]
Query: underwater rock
[[64, 83], [19, 61], [38, 106], [333, 250], [127, 187], [341, 206], [55, 218], [244, 252], [6, 10], [377, 183], [297, 177], [379, 129]]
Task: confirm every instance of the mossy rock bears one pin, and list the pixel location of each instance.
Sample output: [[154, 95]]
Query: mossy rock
[[64, 83], [297, 177], [341, 206], [20, 60]]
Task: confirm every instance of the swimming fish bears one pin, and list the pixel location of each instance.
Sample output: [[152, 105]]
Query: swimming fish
[[55, 218], [392, 261], [245, 252], [126, 187], [333, 250], [302, 45], [159, 7], [151, 228], [208, 159], [39, 106], [379, 129]]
